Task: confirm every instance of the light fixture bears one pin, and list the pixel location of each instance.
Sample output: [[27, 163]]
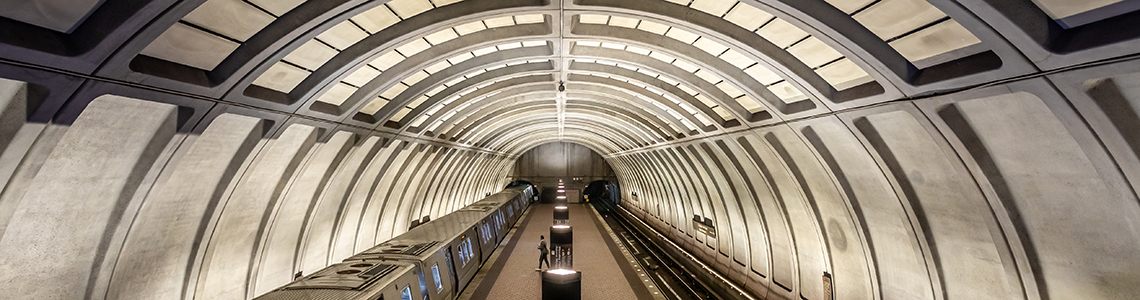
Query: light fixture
[[561, 87], [561, 197], [561, 226], [560, 207], [561, 272]]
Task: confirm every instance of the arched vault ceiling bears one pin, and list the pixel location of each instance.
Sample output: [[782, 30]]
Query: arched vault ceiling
[[483, 72]]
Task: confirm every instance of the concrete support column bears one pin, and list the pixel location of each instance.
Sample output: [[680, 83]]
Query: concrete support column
[[164, 240], [278, 261], [55, 244], [319, 234], [229, 258]]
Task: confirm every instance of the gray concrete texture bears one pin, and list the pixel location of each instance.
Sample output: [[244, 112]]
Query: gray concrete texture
[[941, 149]]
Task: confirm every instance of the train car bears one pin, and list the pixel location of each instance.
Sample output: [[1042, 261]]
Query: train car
[[365, 280], [442, 255]]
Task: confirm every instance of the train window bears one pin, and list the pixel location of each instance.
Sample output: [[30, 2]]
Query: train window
[[462, 254], [469, 253], [406, 294], [435, 273]]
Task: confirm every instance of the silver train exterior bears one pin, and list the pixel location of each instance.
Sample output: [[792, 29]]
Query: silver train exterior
[[432, 261]]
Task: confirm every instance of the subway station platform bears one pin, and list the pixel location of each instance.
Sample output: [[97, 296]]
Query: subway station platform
[[607, 272]]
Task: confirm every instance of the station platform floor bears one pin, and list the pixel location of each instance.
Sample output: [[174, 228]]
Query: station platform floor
[[607, 272]]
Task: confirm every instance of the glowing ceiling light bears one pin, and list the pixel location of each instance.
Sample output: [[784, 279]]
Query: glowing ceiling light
[[561, 197], [560, 207], [561, 226]]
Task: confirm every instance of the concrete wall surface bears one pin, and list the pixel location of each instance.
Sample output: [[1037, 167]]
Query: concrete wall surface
[[122, 205]]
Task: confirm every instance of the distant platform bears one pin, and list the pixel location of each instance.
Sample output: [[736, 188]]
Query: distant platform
[[605, 274]]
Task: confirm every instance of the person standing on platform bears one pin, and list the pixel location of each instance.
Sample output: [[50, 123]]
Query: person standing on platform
[[543, 251]]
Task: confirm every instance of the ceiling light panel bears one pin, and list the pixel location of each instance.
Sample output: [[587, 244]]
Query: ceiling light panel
[[927, 31], [409, 8], [934, 40], [191, 47], [623, 22], [277, 7], [387, 60], [311, 55], [372, 107], [376, 19], [713, 7], [813, 52], [843, 74], [499, 22], [470, 28], [530, 19], [362, 76], [343, 35], [282, 77], [748, 17], [337, 94], [781, 33], [231, 18], [441, 36]]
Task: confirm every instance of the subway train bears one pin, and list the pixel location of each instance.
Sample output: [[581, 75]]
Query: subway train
[[432, 261]]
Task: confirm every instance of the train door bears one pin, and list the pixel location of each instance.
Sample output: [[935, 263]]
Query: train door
[[452, 274]]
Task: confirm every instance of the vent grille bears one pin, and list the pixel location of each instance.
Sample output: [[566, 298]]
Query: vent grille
[[344, 276], [413, 250]]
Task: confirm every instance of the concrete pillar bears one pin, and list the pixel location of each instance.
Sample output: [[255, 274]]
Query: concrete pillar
[[164, 240], [57, 237], [319, 232], [278, 260], [230, 254]]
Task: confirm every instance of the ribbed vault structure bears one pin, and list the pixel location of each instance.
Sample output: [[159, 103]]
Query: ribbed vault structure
[[913, 149]]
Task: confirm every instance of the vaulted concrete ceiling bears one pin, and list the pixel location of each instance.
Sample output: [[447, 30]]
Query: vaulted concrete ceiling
[[457, 71], [937, 149]]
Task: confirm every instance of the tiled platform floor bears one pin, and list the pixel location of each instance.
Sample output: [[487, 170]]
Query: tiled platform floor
[[512, 275]]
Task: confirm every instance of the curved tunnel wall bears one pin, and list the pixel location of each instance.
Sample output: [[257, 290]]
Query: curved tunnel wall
[[1014, 191], [132, 201]]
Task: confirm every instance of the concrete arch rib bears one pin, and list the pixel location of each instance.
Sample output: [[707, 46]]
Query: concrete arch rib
[[629, 120], [467, 105], [770, 56], [507, 123], [440, 52], [631, 90], [522, 134], [504, 123], [541, 136], [464, 126], [515, 87], [580, 67], [504, 138], [715, 94], [410, 28], [548, 133], [884, 69], [517, 95], [378, 85], [600, 92], [502, 74], [572, 121], [524, 147]]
